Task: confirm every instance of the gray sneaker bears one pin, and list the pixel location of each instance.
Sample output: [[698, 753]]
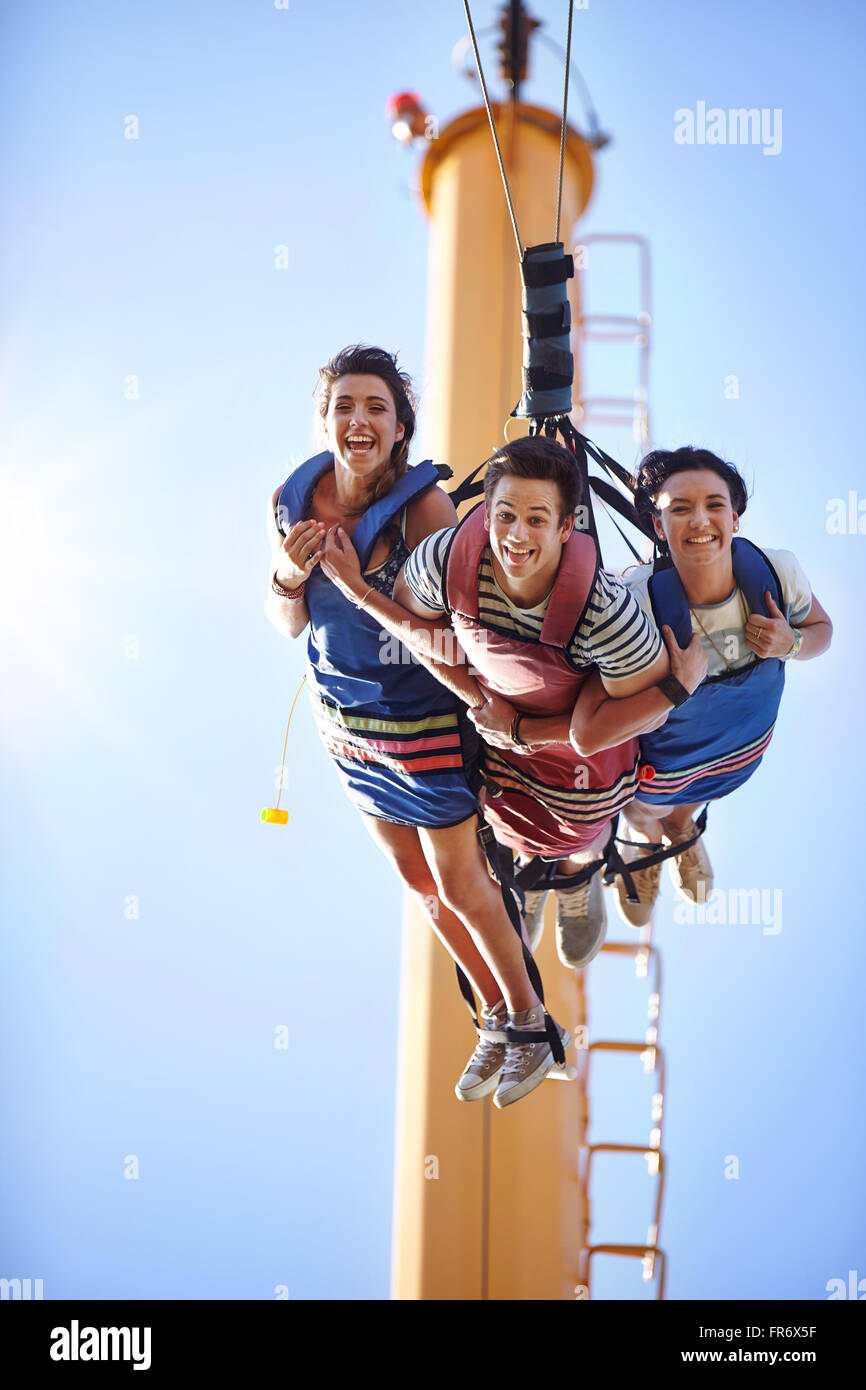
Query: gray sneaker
[[533, 916], [484, 1068], [527, 1064], [581, 922]]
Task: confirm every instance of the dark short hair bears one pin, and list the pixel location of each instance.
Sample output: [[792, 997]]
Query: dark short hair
[[655, 469], [536, 456]]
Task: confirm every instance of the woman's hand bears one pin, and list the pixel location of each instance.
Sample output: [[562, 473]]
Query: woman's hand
[[341, 564], [300, 550], [771, 636]]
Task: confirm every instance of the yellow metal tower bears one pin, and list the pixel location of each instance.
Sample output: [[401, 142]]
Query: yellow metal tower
[[485, 1200]]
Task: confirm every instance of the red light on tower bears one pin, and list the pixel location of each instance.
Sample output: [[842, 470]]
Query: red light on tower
[[407, 116]]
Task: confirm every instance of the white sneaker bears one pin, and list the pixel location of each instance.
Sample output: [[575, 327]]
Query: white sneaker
[[484, 1068], [581, 922], [527, 1064]]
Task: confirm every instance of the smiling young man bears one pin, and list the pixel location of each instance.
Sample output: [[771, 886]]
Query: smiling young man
[[563, 654]]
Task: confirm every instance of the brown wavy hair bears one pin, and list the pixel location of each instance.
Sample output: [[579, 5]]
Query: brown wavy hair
[[536, 456], [361, 360]]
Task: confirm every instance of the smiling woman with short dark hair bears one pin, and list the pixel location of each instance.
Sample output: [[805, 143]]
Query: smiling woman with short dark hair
[[753, 611]]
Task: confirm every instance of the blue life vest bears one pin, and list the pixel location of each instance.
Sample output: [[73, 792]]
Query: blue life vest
[[713, 743], [346, 644], [399, 737]]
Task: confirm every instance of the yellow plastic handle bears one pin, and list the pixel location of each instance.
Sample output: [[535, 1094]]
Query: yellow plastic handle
[[270, 813]]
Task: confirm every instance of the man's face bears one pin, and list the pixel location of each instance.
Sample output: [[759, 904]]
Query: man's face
[[526, 534]]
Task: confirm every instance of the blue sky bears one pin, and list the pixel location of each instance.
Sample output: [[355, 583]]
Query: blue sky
[[145, 693]]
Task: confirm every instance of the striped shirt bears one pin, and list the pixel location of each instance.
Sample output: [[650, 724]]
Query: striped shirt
[[614, 633]]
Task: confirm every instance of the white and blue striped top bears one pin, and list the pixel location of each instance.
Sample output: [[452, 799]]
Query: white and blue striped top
[[615, 634]]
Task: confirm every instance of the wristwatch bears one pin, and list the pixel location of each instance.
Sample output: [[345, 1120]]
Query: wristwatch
[[515, 732], [674, 691], [795, 649]]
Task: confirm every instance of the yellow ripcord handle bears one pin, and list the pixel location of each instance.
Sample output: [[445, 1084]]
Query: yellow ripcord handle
[[273, 814]]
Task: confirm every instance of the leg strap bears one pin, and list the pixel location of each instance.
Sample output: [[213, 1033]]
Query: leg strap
[[505, 878], [616, 865], [536, 873]]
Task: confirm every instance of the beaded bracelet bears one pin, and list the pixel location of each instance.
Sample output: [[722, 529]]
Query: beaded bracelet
[[286, 593]]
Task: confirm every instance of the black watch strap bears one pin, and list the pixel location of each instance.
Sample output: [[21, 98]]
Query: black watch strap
[[674, 691], [515, 732]]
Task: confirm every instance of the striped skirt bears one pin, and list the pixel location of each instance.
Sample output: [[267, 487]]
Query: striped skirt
[[408, 771]]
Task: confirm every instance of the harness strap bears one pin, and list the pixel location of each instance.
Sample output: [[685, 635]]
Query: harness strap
[[494, 1035], [535, 873], [539, 873], [504, 878], [541, 378], [551, 323], [537, 274], [468, 488], [661, 854]]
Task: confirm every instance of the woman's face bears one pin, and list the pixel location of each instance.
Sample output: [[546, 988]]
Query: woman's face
[[526, 535], [361, 424], [697, 519]]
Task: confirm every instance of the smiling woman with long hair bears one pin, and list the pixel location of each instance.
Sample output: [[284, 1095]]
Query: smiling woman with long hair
[[340, 529]]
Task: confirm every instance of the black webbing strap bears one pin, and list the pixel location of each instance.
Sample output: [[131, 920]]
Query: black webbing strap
[[534, 874], [544, 874], [618, 866], [543, 379], [604, 460], [538, 274], [468, 489], [614, 499], [504, 878], [551, 323]]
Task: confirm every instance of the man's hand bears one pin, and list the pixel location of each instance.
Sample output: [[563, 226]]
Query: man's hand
[[688, 664], [341, 564], [300, 550], [771, 636], [493, 720]]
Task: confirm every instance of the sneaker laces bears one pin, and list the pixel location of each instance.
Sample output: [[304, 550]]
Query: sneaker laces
[[573, 901], [519, 1058], [486, 1050]]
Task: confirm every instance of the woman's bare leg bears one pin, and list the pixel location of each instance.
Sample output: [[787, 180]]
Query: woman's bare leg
[[465, 886], [645, 819], [585, 856], [678, 818], [402, 846]]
